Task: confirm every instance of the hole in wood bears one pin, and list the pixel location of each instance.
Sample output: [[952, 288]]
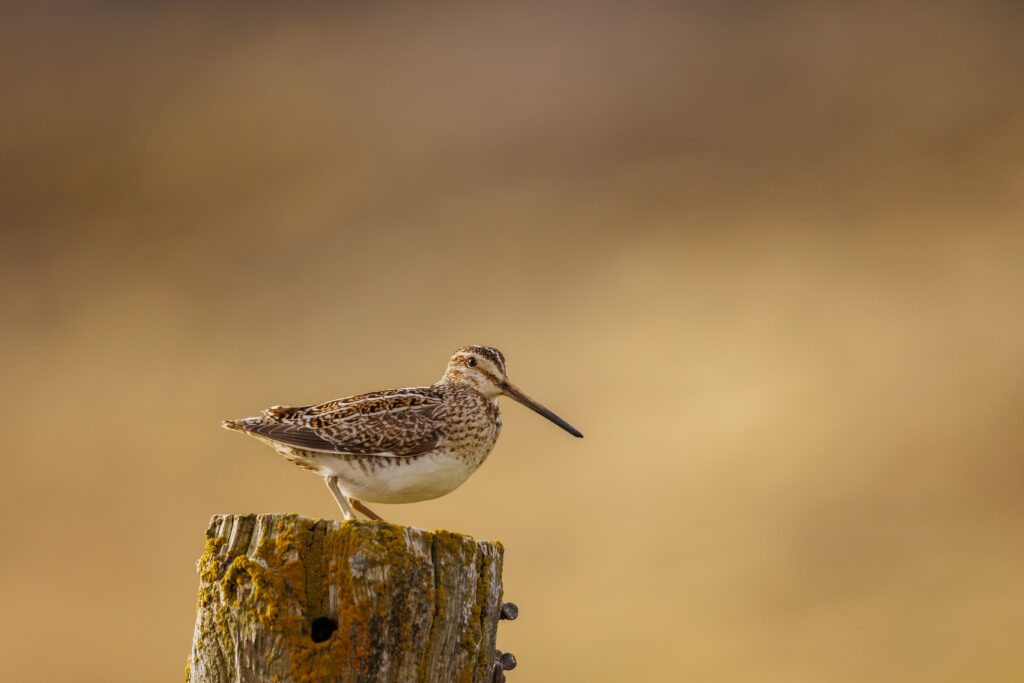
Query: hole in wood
[[322, 629]]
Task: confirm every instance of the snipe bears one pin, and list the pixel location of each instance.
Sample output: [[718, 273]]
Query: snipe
[[399, 445]]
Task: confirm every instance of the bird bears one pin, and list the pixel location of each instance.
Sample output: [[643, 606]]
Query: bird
[[399, 445]]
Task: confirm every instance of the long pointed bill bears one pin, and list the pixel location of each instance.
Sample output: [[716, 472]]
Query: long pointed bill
[[512, 391]]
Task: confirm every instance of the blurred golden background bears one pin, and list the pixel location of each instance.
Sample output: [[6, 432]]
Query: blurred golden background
[[768, 259]]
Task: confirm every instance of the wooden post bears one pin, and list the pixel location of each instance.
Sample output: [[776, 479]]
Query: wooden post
[[285, 598]]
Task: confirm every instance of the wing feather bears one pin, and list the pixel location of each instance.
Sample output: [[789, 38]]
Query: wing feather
[[398, 423]]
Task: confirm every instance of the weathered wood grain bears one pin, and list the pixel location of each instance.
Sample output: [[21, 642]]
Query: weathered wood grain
[[409, 605]]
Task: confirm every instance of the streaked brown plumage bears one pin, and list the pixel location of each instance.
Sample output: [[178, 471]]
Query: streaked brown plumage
[[399, 445]]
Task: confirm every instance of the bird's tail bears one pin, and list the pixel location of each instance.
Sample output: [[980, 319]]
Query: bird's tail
[[237, 425]]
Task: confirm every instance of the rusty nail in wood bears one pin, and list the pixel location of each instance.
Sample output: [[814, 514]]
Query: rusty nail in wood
[[508, 611], [508, 661]]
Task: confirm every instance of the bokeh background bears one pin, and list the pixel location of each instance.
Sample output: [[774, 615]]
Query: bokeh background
[[768, 258]]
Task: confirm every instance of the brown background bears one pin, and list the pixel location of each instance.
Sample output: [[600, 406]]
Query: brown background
[[770, 260]]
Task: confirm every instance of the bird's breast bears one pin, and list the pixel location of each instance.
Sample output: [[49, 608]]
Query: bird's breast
[[471, 427]]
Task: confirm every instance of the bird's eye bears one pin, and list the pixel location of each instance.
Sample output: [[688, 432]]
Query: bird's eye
[[471, 362]]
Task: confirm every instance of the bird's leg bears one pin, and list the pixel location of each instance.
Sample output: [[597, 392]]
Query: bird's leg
[[332, 485], [358, 505]]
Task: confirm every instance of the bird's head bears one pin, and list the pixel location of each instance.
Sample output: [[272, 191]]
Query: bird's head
[[483, 369]]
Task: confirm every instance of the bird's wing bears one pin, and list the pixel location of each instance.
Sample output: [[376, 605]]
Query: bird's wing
[[395, 423]]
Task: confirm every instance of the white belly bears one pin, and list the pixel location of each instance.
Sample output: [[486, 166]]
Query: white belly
[[386, 479]]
